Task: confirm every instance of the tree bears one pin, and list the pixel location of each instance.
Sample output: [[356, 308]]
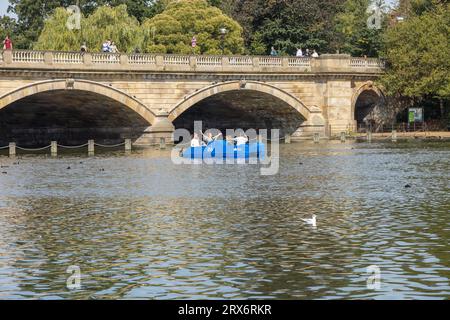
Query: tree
[[140, 9], [418, 52], [30, 18], [56, 35], [172, 30], [414, 7], [354, 35], [105, 23], [285, 24], [8, 26], [31, 14]]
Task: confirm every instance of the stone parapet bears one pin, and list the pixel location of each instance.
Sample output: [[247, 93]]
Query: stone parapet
[[77, 61]]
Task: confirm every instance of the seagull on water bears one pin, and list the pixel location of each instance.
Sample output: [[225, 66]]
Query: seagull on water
[[312, 221]]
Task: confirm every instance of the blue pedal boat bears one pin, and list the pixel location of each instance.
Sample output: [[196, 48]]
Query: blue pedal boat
[[222, 149]]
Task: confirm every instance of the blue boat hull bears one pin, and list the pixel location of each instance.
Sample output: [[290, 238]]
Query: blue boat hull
[[221, 149]]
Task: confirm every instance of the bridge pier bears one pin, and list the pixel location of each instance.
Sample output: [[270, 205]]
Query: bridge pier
[[161, 130], [12, 149], [91, 147], [54, 148]]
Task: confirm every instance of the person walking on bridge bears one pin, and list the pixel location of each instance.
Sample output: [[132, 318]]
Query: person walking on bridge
[[113, 48], [83, 48], [273, 52], [7, 43], [106, 46]]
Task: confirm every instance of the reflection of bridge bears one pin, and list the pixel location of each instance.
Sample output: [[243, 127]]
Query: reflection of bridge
[[69, 96]]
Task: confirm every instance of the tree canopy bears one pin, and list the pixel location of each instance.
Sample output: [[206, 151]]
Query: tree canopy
[[325, 25], [172, 30], [31, 14], [285, 24], [8, 26], [418, 52], [105, 23], [353, 33], [168, 32]]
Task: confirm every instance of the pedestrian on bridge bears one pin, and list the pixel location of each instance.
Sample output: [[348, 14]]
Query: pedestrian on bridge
[[83, 48], [7, 43], [113, 48], [106, 46], [273, 52]]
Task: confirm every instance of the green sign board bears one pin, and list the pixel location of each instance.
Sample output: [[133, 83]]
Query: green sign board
[[415, 115]]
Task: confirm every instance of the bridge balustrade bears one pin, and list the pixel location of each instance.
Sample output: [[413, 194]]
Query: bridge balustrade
[[187, 63], [22, 56], [366, 63], [142, 59], [68, 58]]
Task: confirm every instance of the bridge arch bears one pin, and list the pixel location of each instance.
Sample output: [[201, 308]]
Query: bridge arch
[[241, 104], [71, 112], [80, 85], [364, 101], [228, 86]]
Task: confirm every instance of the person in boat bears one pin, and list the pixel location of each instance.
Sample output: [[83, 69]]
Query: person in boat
[[241, 139], [209, 137], [195, 141], [229, 139]]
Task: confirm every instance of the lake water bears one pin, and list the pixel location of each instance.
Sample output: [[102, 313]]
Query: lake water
[[146, 228]]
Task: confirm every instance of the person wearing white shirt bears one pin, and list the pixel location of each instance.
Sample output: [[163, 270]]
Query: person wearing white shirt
[[242, 139], [299, 52], [195, 141], [315, 54]]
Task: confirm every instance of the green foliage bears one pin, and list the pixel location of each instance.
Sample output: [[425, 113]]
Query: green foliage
[[7, 26], [173, 30], [56, 36], [168, 32], [140, 9], [286, 24], [418, 52], [31, 14], [354, 37], [416, 7], [105, 23], [258, 47], [113, 23]]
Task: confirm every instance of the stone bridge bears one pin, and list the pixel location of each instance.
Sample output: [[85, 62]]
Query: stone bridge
[[72, 97]]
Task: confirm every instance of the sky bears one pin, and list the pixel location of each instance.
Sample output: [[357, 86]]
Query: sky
[[4, 5]]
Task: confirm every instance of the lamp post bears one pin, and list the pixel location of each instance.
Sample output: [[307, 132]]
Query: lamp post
[[223, 31]]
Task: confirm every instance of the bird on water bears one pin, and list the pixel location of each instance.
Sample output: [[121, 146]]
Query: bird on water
[[312, 221]]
